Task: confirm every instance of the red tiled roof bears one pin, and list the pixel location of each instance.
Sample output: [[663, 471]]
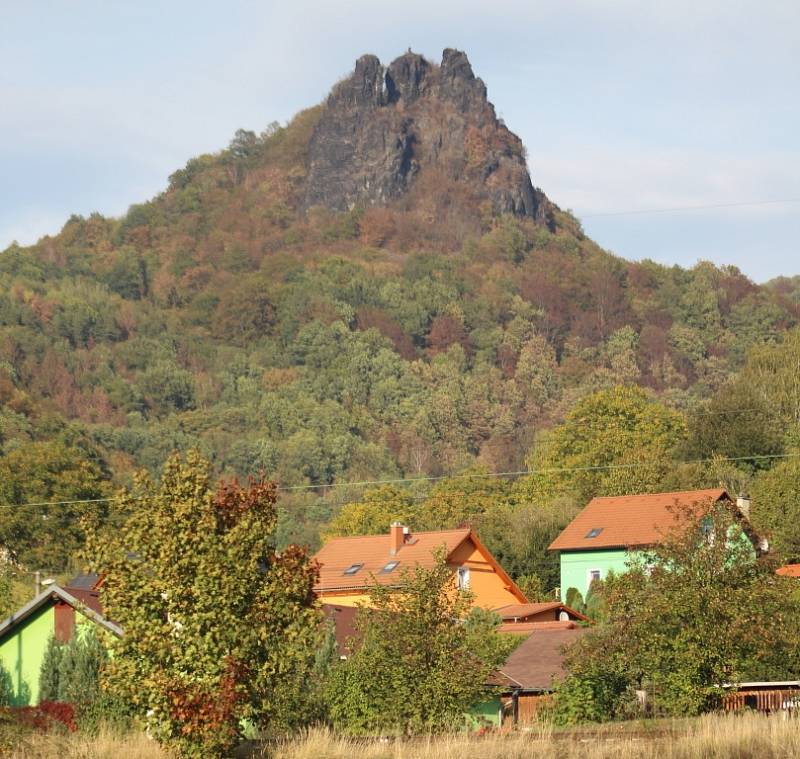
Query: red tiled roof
[[626, 521], [520, 611], [539, 659], [790, 570], [526, 628]]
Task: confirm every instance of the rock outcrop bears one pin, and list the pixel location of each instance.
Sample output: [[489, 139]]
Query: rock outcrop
[[383, 127]]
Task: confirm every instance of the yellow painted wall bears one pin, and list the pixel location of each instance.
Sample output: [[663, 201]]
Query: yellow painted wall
[[346, 599]]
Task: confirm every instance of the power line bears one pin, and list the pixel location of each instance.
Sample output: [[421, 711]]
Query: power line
[[689, 208], [468, 475]]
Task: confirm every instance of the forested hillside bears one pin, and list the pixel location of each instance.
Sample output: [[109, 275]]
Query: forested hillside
[[427, 336]]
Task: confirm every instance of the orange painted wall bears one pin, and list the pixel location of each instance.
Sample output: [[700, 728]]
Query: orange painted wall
[[489, 588]]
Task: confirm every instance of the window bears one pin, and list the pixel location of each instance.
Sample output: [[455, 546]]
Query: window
[[352, 569], [463, 578], [389, 567], [592, 575], [594, 532]]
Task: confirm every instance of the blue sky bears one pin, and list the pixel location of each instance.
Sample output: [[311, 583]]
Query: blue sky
[[623, 106]]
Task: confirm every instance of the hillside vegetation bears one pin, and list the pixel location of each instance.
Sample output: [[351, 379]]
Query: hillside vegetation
[[423, 338]]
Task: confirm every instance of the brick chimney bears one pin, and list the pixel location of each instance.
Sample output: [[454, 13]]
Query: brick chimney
[[397, 537], [743, 504]]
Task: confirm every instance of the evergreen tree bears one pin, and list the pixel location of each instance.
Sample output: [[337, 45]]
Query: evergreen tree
[[49, 674]]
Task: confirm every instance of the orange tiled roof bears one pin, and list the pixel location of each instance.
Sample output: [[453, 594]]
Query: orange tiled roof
[[626, 521], [790, 570], [517, 611], [373, 552]]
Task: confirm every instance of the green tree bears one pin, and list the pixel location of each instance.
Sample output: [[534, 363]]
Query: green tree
[[219, 627], [45, 536], [600, 431], [776, 506], [694, 612], [373, 514], [419, 667], [50, 670]]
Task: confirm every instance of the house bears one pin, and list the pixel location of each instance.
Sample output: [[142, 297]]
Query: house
[[524, 683], [601, 537], [350, 566], [789, 570], [523, 618], [24, 636]]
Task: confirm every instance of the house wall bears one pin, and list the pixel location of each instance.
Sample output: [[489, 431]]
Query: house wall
[[345, 599], [22, 651], [489, 588], [485, 714], [575, 567]]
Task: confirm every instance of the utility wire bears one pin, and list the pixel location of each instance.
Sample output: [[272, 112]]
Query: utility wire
[[688, 208], [468, 475]]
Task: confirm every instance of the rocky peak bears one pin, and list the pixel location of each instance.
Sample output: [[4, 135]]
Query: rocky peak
[[383, 127]]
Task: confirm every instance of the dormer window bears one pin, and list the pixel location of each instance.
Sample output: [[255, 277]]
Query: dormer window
[[390, 567], [352, 569], [594, 532]]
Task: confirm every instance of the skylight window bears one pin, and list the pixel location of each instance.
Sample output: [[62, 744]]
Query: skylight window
[[594, 532], [389, 567], [352, 569]]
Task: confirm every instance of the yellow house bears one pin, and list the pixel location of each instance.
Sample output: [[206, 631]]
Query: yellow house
[[349, 566]]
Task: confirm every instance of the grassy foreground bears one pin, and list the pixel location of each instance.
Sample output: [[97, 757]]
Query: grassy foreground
[[713, 736]]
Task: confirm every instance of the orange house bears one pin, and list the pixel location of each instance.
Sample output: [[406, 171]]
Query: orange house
[[350, 566]]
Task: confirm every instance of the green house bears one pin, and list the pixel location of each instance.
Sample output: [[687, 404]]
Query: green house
[[604, 537], [24, 637]]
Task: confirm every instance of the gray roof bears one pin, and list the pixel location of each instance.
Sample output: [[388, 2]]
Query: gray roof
[[54, 593], [84, 581]]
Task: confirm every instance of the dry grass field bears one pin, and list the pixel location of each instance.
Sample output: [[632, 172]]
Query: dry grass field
[[710, 737]]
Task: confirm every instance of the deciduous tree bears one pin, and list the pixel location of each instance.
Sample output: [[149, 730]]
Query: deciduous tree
[[220, 629]]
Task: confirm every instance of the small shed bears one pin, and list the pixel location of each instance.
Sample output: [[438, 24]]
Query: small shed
[[24, 637], [528, 677], [767, 697]]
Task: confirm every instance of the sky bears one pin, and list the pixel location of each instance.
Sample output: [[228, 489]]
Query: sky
[[625, 107]]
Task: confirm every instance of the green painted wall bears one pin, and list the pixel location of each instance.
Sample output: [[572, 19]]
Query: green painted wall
[[485, 714], [22, 651], [576, 565]]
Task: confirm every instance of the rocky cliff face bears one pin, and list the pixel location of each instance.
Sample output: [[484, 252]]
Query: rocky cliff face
[[384, 127]]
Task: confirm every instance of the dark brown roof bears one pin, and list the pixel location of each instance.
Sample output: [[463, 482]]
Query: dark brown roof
[[628, 521], [539, 659]]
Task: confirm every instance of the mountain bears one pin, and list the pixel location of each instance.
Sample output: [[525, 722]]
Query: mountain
[[374, 290], [386, 129]]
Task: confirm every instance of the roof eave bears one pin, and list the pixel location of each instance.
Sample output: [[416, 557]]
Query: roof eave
[[56, 592]]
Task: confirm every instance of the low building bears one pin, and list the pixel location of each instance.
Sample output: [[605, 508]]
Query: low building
[[603, 536], [350, 566], [524, 683], [25, 635], [767, 697], [518, 618]]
